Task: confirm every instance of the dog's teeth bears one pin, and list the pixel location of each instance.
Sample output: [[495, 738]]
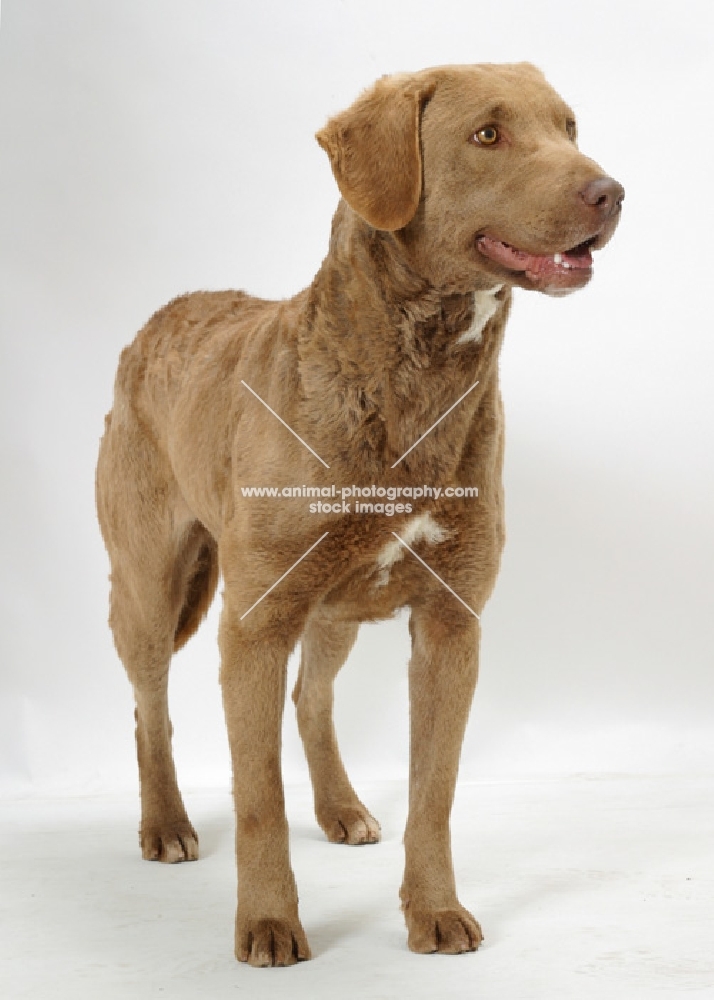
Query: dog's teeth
[[557, 258]]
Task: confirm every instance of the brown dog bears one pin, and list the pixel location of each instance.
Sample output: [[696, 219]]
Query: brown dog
[[458, 183]]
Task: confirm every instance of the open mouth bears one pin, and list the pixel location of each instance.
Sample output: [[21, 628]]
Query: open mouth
[[565, 270]]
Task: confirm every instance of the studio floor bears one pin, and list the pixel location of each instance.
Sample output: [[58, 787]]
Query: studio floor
[[585, 887]]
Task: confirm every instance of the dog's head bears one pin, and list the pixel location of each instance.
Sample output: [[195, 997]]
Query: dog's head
[[476, 171]]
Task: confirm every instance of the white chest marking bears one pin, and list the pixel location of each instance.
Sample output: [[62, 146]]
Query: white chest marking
[[485, 306], [423, 527]]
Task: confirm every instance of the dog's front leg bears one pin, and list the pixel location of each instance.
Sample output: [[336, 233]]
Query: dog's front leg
[[442, 678], [254, 658]]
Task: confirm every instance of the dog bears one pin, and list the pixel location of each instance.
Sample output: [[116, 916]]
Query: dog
[[458, 184]]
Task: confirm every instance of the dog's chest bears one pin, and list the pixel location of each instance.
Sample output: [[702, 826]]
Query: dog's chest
[[403, 567], [421, 528], [485, 308]]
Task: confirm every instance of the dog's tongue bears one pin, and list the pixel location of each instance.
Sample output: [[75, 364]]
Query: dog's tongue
[[538, 268]]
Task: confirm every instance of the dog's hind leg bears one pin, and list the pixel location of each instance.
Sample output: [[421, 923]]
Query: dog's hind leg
[[325, 647], [163, 574]]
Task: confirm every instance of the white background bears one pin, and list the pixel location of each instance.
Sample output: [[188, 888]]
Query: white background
[[152, 148]]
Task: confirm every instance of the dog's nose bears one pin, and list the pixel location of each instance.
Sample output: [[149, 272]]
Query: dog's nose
[[605, 195]]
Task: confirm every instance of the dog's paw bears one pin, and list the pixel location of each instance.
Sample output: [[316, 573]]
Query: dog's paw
[[271, 942], [349, 825], [170, 842], [450, 932]]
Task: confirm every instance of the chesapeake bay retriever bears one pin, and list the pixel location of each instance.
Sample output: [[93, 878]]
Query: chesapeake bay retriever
[[458, 183]]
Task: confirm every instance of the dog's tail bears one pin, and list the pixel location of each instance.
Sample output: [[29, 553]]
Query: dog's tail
[[199, 586]]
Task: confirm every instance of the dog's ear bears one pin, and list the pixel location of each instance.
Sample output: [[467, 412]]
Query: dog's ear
[[375, 153]]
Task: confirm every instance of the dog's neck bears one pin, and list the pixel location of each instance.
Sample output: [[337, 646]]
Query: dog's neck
[[383, 354]]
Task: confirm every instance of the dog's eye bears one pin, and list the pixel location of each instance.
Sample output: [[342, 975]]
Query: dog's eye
[[487, 136], [572, 129]]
